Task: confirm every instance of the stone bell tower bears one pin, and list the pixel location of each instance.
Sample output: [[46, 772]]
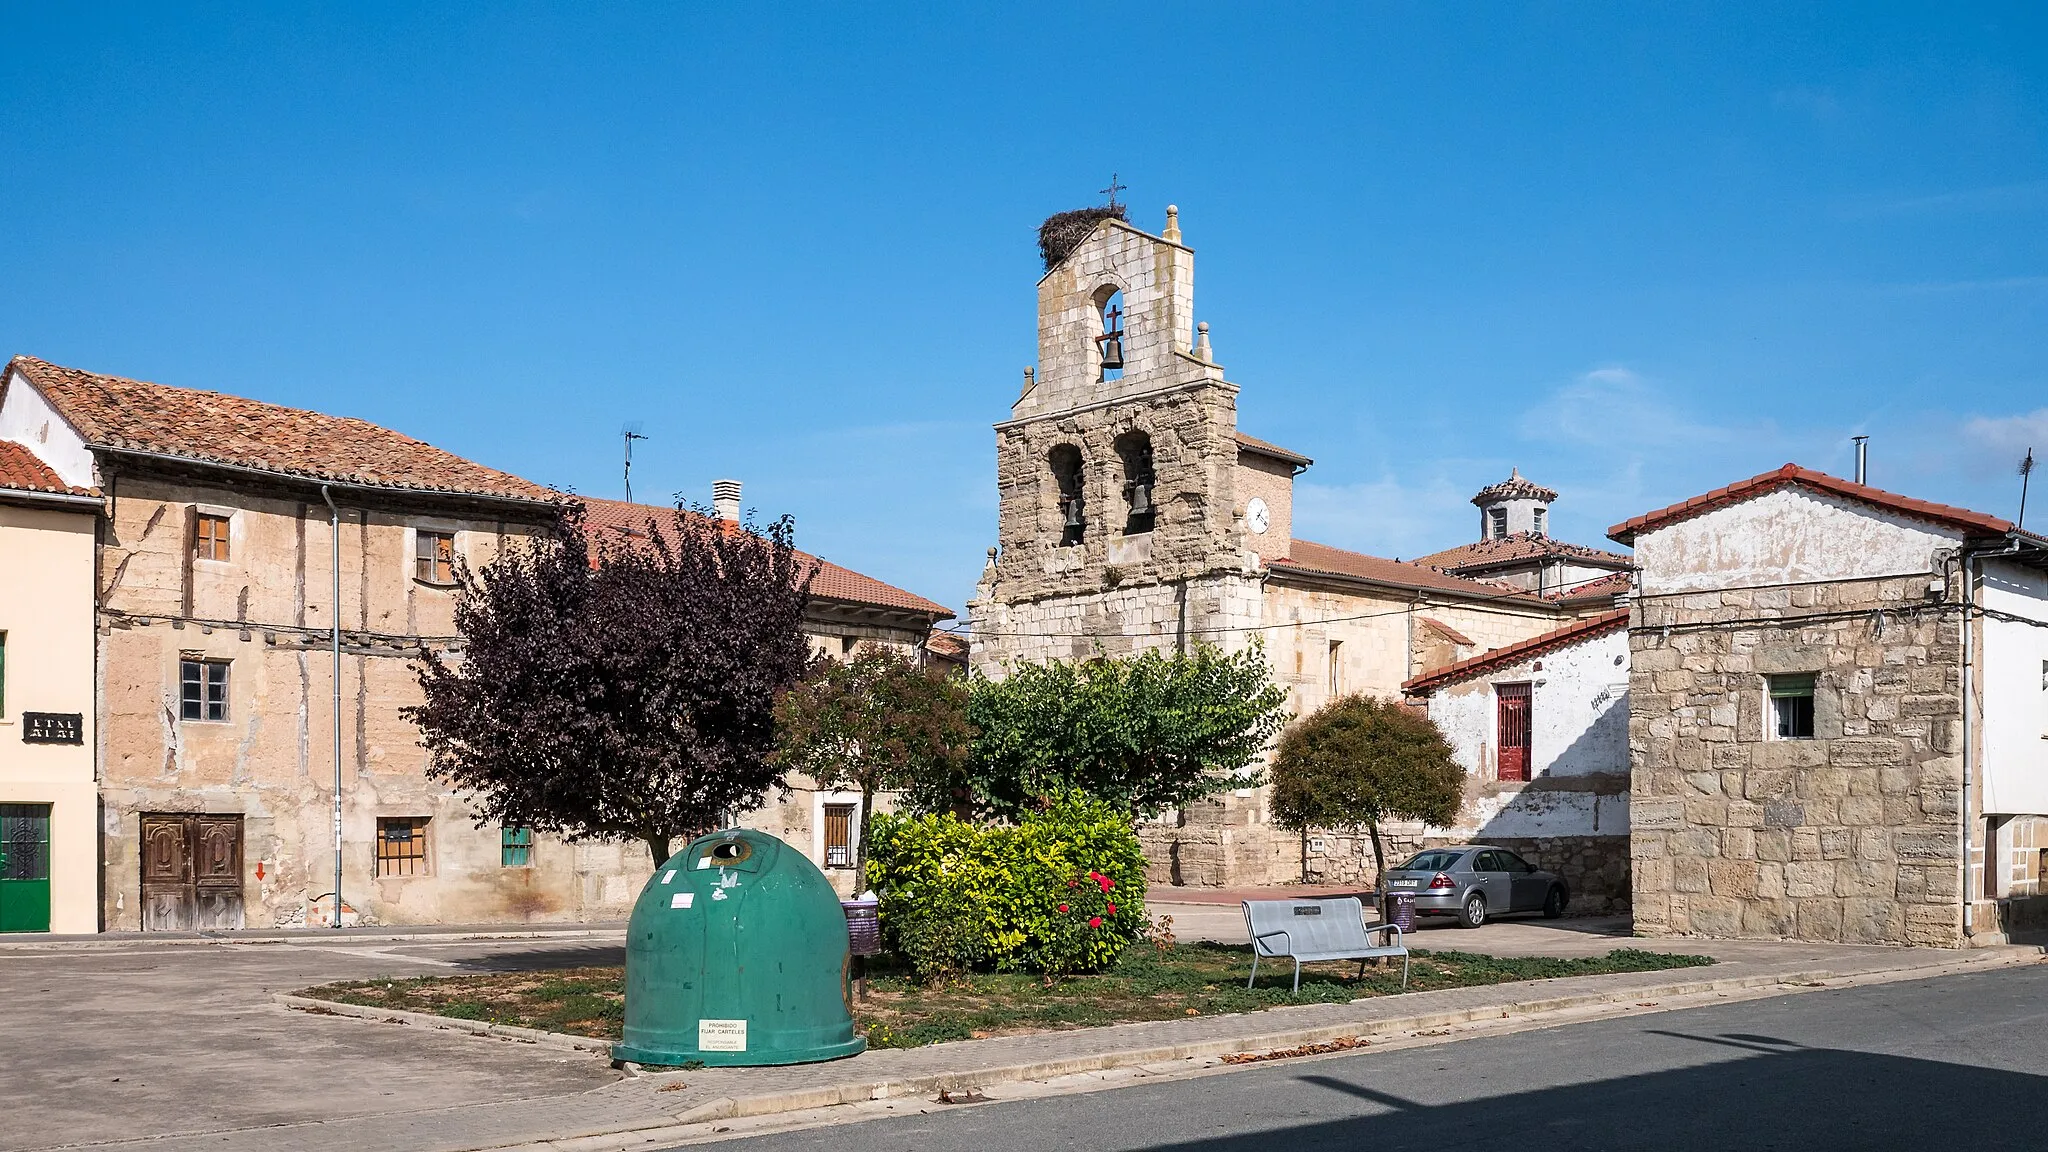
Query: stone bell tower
[[1118, 527]]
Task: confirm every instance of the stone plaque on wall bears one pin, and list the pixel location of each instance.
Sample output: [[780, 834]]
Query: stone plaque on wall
[[53, 728]]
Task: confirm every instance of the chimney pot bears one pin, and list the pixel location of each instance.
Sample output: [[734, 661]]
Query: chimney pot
[[725, 499]]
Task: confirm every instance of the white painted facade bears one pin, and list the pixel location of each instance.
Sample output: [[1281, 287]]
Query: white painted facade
[[26, 418], [2014, 703], [1790, 536], [1578, 729]]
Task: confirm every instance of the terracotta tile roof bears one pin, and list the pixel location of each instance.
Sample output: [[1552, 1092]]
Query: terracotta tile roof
[[22, 471], [1605, 588], [947, 646], [1268, 448], [1310, 558], [1515, 653], [1515, 487], [1447, 632], [829, 582], [1792, 475], [1518, 547], [112, 413]]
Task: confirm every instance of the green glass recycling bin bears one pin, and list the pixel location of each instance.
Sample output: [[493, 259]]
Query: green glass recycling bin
[[737, 955]]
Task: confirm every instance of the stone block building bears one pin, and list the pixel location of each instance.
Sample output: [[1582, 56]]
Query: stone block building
[[1134, 514], [1838, 704], [231, 536]]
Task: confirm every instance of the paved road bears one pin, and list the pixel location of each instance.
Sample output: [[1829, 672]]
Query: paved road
[[1961, 1061]]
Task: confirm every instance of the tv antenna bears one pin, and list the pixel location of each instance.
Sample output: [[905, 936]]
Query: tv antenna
[[630, 432], [2026, 473]]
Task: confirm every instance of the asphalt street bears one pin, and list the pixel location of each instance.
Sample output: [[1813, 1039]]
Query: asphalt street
[[1961, 1060]]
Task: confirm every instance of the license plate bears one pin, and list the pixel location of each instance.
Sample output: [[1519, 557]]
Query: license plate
[[1407, 883]]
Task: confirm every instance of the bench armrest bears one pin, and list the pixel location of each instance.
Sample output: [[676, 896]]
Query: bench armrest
[[1273, 933], [1400, 941]]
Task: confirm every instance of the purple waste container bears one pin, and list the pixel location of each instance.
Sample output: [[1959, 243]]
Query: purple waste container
[[1404, 911]]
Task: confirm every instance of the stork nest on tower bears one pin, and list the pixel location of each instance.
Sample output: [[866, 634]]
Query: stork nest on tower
[[1062, 233]]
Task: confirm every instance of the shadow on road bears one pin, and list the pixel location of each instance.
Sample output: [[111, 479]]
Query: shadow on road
[[1780, 1095]]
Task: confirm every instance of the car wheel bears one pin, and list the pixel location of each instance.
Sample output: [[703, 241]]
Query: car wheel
[[1553, 904], [1474, 913]]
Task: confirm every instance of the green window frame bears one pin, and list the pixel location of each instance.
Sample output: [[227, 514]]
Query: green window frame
[[515, 847], [1792, 706]]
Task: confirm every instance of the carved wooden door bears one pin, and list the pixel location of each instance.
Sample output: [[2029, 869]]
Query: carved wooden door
[[191, 871]]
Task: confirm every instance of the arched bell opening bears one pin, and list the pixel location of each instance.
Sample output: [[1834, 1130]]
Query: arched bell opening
[[1135, 450], [1109, 331], [1065, 462]]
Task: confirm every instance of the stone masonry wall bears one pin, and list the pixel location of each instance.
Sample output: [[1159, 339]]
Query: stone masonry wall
[[1850, 836]]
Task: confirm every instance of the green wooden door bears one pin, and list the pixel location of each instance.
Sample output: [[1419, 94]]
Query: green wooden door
[[24, 867]]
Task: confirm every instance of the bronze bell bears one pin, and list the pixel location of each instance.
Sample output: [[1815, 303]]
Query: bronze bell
[[1112, 351], [1071, 505], [1141, 498]]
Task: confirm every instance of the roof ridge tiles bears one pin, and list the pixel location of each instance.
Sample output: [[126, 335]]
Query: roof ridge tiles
[[1791, 475]]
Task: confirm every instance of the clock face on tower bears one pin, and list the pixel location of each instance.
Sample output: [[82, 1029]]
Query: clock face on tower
[[1257, 516]]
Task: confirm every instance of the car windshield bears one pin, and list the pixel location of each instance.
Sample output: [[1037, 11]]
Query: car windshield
[[1436, 860]]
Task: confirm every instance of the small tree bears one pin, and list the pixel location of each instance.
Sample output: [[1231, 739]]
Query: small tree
[[878, 723], [621, 693], [1147, 732], [1357, 761]]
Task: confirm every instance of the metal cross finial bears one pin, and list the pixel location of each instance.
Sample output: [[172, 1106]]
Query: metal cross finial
[[1113, 189]]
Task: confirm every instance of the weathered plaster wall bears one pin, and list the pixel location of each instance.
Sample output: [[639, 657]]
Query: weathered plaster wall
[[26, 418], [2015, 689], [1788, 536], [1578, 717], [46, 568]]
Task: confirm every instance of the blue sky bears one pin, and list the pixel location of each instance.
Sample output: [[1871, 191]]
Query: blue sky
[[1638, 251]]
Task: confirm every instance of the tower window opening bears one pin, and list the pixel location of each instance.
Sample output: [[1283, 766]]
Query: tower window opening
[[1109, 346], [1497, 521], [1135, 449], [1065, 460]]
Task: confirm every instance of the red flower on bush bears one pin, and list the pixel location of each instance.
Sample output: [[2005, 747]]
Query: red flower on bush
[[1111, 911], [1105, 881], [1095, 921], [1063, 907]]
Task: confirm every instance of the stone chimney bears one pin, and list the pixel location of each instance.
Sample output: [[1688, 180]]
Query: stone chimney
[[725, 499]]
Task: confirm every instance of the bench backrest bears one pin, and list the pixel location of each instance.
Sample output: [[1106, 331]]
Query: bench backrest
[[1311, 925]]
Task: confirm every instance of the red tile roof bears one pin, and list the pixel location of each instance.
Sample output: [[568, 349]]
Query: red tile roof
[[1605, 588], [22, 471], [1792, 475], [1518, 547], [1447, 632], [1268, 448], [947, 646], [113, 413], [1309, 558], [1515, 487], [829, 582], [1515, 653]]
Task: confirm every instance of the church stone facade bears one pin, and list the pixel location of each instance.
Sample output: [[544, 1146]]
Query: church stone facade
[[1133, 515]]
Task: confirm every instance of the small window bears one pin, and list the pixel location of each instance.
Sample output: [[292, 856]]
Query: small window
[[847, 645], [1336, 667], [401, 845], [434, 557], [515, 847], [1792, 706], [210, 537], [1536, 524], [203, 688], [1497, 519], [838, 835]]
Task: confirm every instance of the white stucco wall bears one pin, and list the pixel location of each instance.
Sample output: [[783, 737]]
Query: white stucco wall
[[2015, 691], [1788, 536], [26, 418], [1578, 728]]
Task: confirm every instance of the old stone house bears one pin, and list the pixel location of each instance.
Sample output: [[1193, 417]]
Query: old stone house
[[1133, 513], [1837, 710], [1541, 729], [220, 710], [49, 807]]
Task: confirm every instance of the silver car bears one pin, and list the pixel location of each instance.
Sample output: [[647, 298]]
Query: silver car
[[1475, 882]]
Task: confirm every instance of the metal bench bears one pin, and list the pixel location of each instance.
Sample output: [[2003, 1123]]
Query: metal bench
[[1309, 930]]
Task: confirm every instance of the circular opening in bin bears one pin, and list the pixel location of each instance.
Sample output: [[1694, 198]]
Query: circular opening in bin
[[731, 852]]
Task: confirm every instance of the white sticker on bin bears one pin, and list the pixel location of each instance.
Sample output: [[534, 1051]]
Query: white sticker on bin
[[681, 899], [704, 861], [669, 876], [721, 1035]]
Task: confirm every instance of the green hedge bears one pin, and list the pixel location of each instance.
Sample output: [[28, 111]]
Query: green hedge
[[958, 896]]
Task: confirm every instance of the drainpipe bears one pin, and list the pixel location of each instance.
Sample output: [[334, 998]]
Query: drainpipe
[[1969, 564], [334, 522]]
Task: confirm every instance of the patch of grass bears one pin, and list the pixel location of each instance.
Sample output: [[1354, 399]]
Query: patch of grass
[[1145, 984]]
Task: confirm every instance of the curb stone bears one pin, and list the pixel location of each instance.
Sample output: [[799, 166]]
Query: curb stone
[[448, 1023]]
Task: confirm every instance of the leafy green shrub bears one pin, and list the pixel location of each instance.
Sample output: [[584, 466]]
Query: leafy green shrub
[[1061, 891]]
